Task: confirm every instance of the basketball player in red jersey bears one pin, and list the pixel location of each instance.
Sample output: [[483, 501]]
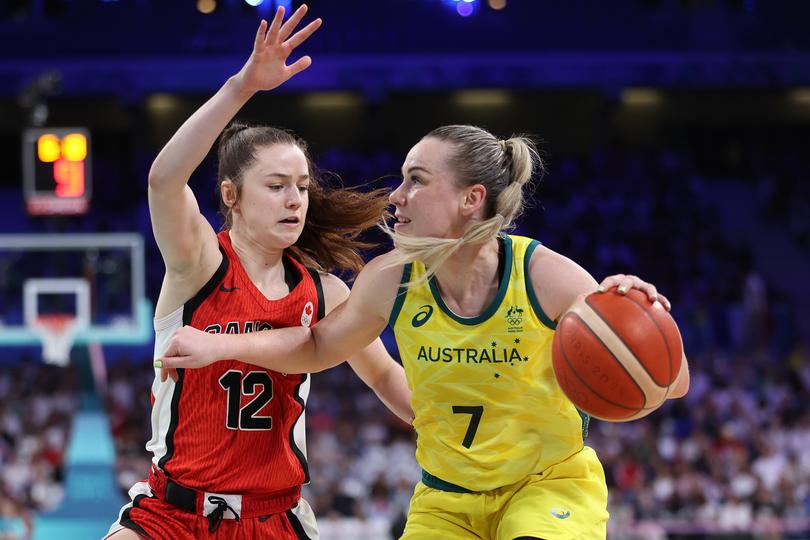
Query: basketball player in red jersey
[[229, 455]]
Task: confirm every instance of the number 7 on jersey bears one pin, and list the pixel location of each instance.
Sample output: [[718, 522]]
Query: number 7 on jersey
[[475, 412]]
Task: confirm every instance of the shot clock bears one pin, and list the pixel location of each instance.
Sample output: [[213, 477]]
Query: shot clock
[[56, 171]]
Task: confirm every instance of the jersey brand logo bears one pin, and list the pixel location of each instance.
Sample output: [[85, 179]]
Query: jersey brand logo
[[422, 315], [560, 513], [223, 288]]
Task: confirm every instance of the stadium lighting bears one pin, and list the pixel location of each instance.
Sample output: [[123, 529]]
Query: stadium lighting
[[465, 9], [206, 6]]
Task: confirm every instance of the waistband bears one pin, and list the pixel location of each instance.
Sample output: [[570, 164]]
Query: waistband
[[221, 505], [437, 483]]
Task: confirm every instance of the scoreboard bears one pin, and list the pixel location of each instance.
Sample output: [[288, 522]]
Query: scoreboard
[[57, 176]]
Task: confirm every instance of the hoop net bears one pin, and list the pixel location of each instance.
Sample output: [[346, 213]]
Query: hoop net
[[57, 332]]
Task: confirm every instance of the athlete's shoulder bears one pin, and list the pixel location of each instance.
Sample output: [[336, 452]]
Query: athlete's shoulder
[[382, 271], [335, 290], [377, 285], [557, 280]]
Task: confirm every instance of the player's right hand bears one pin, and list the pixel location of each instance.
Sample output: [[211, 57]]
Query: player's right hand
[[188, 348], [267, 66]]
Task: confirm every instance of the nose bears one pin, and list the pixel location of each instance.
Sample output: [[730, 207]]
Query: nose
[[397, 197], [294, 198]]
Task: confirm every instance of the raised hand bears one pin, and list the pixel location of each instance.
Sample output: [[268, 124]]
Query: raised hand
[[267, 66]]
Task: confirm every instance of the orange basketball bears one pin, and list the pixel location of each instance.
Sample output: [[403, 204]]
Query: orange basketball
[[615, 356]]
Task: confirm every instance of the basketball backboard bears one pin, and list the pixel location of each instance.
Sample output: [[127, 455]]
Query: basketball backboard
[[95, 279]]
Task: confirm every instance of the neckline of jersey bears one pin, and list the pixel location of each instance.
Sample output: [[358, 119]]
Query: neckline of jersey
[[496, 302]]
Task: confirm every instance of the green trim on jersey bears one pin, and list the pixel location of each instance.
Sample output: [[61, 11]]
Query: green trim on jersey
[[496, 302], [437, 483], [401, 294], [488, 410], [586, 422], [545, 319]]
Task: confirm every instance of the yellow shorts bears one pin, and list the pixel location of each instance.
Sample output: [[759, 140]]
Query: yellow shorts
[[567, 501]]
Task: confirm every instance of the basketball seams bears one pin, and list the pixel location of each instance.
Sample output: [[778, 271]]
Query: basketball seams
[[660, 332], [585, 325], [604, 352], [624, 344], [654, 392]]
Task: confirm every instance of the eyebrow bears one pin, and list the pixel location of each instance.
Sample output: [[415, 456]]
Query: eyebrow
[[286, 176], [416, 168]]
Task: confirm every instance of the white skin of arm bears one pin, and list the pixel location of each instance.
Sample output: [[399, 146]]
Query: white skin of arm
[[347, 330], [559, 281], [186, 240], [373, 364]]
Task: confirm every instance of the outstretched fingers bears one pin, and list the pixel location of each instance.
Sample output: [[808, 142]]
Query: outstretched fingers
[[257, 43], [299, 65], [272, 34], [302, 35], [288, 27]]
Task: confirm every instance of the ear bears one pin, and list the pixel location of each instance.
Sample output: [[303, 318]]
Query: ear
[[474, 197], [228, 192]]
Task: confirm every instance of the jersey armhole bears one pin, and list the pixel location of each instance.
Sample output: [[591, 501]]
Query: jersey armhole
[[319, 289], [527, 257], [195, 301], [402, 292]]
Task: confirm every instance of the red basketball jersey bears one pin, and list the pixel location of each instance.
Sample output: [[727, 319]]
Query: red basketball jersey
[[233, 427]]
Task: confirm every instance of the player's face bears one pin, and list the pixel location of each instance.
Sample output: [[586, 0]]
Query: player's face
[[274, 200], [427, 202]]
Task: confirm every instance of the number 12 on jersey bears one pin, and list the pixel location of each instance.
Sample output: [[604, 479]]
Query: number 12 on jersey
[[247, 418]]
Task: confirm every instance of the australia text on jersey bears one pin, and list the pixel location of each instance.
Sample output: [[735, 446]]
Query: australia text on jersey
[[471, 355]]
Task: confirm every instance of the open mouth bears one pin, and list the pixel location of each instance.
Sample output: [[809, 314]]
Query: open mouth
[[401, 219], [291, 220]]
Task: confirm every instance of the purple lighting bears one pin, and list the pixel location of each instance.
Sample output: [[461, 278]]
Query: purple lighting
[[464, 9]]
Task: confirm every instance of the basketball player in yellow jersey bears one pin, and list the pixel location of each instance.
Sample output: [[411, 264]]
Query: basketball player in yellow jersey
[[474, 312]]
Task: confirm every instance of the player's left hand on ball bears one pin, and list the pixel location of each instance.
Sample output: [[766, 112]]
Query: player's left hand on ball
[[624, 283], [188, 348]]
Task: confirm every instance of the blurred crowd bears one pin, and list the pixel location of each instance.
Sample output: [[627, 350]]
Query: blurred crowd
[[37, 405], [732, 456]]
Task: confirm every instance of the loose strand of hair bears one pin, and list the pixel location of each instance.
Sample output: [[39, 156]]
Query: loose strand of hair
[[434, 252]]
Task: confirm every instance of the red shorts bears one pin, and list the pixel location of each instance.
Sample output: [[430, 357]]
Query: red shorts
[[153, 518]]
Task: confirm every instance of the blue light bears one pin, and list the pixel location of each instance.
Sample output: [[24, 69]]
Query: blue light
[[254, 3], [464, 8]]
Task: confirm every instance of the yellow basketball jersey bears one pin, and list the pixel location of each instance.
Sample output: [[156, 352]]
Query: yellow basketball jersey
[[488, 410]]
